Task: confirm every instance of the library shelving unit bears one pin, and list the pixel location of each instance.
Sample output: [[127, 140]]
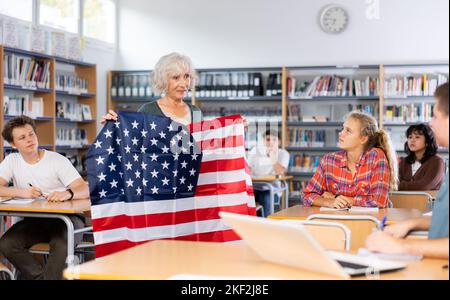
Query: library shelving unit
[[49, 123], [128, 90], [408, 98], [316, 114], [295, 111]]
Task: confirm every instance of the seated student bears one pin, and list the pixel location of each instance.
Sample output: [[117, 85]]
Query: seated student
[[268, 160], [361, 174], [37, 173], [391, 239], [422, 169]]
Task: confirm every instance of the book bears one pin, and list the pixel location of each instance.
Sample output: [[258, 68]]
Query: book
[[74, 48], [237, 85], [10, 33], [37, 36], [26, 71], [299, 137], [86, 112], [59, 44], [408, 113], [23, 105], [68, 82], [402, 86], [333, 86]]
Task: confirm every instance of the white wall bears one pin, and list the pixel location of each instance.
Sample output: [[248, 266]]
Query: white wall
[[232, 33]]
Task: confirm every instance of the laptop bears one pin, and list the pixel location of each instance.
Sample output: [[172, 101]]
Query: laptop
[[293, 246]]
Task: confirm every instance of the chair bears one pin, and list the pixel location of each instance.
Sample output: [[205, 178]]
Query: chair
[[44, 248], [5, 273], [412, 199], [361, 226], [260, 208], [331, 235], [267, 186]]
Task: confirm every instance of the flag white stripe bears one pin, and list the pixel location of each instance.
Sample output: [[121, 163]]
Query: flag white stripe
[[222, 177], [166, 206], [223, 154], [219, 133], [158, 232]]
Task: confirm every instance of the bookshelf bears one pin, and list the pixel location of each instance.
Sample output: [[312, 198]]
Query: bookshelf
[[77, 89], [294, 109]]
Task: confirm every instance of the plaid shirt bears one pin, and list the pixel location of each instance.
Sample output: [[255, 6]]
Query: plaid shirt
[[369, 187]]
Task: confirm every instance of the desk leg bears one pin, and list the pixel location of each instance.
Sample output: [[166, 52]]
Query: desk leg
[[64, 218], [272, 199], [286, 186]]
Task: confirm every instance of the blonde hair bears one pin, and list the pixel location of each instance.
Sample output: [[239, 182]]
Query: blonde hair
[[170, 65], [378, 138]]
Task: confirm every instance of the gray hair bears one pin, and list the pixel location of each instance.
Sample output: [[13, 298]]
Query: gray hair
[[170, 65]]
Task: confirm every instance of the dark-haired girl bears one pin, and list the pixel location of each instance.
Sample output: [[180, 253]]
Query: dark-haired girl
[[421, 169]]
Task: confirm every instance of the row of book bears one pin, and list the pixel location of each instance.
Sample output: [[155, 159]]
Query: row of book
[[238, 85], [304, 163], [26, 71], [306, 138], [71, 137], [73, 111], [71, 83], [414, 85], [295, 112], [257, 114], [132, 85], [409, 113], [23, 105], [332, 86], [77, 160]]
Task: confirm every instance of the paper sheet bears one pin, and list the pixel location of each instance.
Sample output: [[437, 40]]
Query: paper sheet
[[360, 209], [17, 201], [333, 209], [386, 256]]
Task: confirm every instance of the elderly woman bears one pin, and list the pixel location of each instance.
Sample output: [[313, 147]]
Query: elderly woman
[[172, 78]]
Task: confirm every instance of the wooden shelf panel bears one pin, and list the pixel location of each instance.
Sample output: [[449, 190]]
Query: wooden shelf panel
[[27, 89], [63, 93], [315, 124], [47, 126]]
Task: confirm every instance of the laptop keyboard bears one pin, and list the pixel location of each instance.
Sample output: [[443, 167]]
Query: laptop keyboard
[[353, 266]]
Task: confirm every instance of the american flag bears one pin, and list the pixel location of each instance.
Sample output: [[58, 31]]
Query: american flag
[[151, 178]]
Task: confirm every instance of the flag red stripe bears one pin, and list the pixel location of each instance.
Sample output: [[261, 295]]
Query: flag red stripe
[[219, 143], [222, 165], [220, 188], [218, 236], [215, 124], [165, 219]]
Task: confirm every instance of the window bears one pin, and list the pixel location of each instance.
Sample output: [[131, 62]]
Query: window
[[21, 9], [99, 20], [60, 14]]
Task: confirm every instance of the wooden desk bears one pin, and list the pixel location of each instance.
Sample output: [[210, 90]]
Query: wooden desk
[[43, 206], [163, 259], [53, 210], [360, 230], [272, 178], [394, 215]]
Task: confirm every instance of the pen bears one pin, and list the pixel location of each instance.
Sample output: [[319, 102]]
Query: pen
[[32, 186], [383, 223]]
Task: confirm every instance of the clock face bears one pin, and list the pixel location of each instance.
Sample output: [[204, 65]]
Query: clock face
[[333, 19]]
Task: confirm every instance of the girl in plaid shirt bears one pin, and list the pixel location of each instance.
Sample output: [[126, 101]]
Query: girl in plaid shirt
[[361, 174]]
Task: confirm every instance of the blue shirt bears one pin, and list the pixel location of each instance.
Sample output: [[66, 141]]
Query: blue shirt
[[439, 221]]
